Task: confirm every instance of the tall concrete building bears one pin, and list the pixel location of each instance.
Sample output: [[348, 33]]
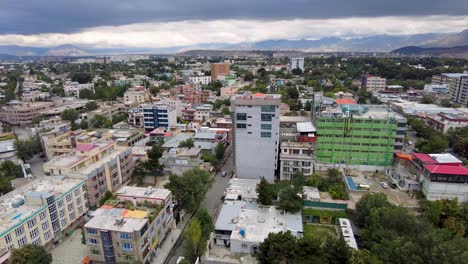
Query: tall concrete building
[[158, 115], [458, 86], [297, 63], [256, 134], [218, 69], [373, 83]]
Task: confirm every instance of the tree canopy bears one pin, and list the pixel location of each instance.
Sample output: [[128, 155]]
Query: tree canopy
[[30, 254]]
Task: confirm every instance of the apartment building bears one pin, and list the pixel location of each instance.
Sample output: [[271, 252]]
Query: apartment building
[[136, 117], [40, 212], [137, 95], [104, 166], [229, 91], [446, 122], [442, 176], [218, 69], [203, 112], [373, 83], [297, 63], [204, 80], [23, 113], [458, 85], [74, 88], [297, 154], [158, 115], [364, 135], [132, 228], [256, 134], [176, 104]]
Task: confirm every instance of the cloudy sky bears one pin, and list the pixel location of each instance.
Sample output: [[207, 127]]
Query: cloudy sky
[[168, 23]]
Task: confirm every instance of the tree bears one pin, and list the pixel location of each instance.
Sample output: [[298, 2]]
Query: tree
[[154, 154], [81, 77], [8, 172], [6, 128], [225, 111], [119, 118], [188, 143], [290, 200], [337, 251], [435, 144], [190, 187], [296, 71], [427, 100], [100, 121], [219, 150], [265, 192], [292, 93], [91, 105], [30, 254], [248, 77], [277, 248], [26, 149], [107, 195], [368, 202], [70, 115], [194, 238]]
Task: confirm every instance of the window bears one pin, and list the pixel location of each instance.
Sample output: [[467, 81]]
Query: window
[[72, 216], [268, 108], [125, 236], [80, 210], [10, 247], [95, 252], [60, 203], [266, 126], [47, 235], [22, 242], [64, 222], [265, 134], [127, 246], [68, 197], [70, 207], [45, 226], [42, 215], [241, 125], [62, 213], [244, 246], [93, 241], [8, 239], [37, 242], [34, 233], [19, 231], [32, 223], [91, 231], [267, 117], [241, 116], [129, 258], [77, 192]]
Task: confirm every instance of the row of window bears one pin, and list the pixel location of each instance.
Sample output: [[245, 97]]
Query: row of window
[[263, 126]]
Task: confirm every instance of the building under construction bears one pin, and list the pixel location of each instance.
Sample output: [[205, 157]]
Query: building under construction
[[355, 134]]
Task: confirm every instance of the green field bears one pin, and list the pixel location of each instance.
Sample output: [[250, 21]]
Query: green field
[[321, 232]]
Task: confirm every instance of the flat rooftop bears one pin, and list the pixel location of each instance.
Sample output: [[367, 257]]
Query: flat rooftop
[[107, 222], [243, 188], [141, 192], [258, 223], [10, 216]]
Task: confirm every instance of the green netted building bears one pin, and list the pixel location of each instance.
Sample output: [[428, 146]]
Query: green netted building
[[359, 135]]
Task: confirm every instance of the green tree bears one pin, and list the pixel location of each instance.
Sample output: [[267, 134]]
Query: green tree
[[81, 77], [30, 254], [435, 144], [219, 150], [368, 202], [190, 187], [265, 192], [107, 195], [290, 200], [6, 128], [91, 105], [427, 100], [225, 111], [154, 155], [8, 172], [337, 251], [194, 239], [278, 248], [188, 143], [100, 121], [70, 115], [26, 149]]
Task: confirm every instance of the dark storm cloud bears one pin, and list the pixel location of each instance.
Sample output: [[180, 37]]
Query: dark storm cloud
[[66, 16]]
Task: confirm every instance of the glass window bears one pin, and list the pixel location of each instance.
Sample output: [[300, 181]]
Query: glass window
[[68, 197], [95, 252], [93, 241], [267, 117], [91, 231], [241, 125], [60, 203], [241, 116], [47, 235], [19, 231], [8, 238], [34, 233], [266, 126], [77, 192], [268, 108], [265, 134], [42, 215], [125, 236], [45, 226], [127, 246], [31, 223], [22, 242]]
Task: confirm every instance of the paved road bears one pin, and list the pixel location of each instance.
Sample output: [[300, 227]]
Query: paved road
[[211, 202]]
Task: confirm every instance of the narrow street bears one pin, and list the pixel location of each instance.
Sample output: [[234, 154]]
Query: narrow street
[[211, 202]]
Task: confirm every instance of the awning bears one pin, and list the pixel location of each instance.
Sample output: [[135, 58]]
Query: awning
[[86, 260]]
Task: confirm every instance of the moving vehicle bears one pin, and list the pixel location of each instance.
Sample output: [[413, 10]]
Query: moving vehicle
[[384, 185]]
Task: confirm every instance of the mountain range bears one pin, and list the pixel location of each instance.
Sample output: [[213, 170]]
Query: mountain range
[[377, 43]]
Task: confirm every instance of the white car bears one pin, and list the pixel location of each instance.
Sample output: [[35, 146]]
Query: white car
[[384, 185]]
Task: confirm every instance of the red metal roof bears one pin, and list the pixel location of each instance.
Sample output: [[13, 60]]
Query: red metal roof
[[425, 158], [345, 101], [447, 169]]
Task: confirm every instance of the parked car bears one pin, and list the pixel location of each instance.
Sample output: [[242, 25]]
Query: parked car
[[384, 185], [393, 185], [223, 174]]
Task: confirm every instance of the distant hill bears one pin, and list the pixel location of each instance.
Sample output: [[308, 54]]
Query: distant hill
[[453, 40], [452, 52]]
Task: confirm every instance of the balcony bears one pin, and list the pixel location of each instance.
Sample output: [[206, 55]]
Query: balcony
[[305, 138]]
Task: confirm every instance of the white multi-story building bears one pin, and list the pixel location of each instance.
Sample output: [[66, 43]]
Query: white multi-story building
[[436, 89], [40, 212], [74, 88], [458, 85], [204, 80], [176, 104], [297, 63], [137, 95], [256, 134], [158, 115], [202, 112], [373, 83]]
